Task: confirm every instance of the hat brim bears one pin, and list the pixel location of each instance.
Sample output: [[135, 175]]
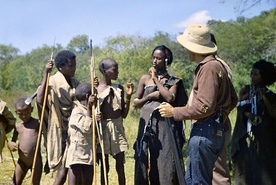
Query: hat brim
[[196, 48]]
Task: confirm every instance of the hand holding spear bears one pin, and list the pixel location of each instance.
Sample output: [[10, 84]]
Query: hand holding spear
[[48, 71]]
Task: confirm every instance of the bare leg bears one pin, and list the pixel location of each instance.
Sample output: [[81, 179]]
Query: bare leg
[[61, 175], [20, 172], [38, 171]]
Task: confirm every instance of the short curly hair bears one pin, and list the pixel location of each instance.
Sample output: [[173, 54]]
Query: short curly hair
[[64, 57], [267, 71]]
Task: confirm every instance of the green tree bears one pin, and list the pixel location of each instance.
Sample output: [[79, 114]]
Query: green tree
[[79, 44]]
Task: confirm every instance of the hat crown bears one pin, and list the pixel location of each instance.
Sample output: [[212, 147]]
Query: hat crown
[[197, 38], [198, 34]]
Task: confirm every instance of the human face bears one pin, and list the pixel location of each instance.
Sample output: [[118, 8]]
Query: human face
[[69, 69], [158, 59], [112, 72], [256, 77], [24, 113]]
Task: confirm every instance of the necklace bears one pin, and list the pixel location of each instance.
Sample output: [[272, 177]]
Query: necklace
[[162, 75]]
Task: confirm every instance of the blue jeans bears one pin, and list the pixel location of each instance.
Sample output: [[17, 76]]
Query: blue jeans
[[205, 144]]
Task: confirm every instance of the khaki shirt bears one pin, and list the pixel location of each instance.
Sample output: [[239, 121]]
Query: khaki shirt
[[80, 137]]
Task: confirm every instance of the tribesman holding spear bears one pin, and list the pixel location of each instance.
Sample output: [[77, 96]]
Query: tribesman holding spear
[[59, 94]]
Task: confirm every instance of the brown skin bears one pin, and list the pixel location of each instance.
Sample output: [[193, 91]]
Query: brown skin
[[256, 80], [158, 62], [106, 108], [27, 134], [111, 73]]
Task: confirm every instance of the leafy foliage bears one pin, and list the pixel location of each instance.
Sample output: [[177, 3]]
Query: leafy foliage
[[241, 43]]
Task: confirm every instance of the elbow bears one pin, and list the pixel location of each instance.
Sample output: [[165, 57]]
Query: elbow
[[170, 98]]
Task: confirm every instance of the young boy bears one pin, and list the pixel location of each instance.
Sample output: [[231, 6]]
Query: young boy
[[7, 122], [113, 108], [27, 134], [80, 158], [60, 102]]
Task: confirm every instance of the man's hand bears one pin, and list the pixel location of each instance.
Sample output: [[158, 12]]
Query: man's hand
[[49, 66], [166, 110], [92, 100], [153, 73]]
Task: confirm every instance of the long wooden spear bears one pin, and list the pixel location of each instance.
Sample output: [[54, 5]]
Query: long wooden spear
[[93, 113], [41, 118], [98, 126]]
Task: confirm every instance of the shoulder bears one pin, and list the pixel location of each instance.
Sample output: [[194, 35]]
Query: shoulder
[[34, 122], [271, 96], [120, 86], [208, 65], [213, 64], [145, 77], [117, 86]]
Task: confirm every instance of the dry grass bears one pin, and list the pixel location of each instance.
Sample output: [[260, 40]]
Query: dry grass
[[131, 125]]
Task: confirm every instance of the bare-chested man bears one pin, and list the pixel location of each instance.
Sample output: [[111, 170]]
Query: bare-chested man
[[114, 109], [27, 134]]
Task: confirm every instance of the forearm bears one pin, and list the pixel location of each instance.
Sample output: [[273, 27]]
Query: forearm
[[41, 89], [191, 113], [139, 102], [126, 108]]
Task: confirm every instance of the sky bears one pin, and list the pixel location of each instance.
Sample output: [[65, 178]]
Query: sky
[[29, 24]]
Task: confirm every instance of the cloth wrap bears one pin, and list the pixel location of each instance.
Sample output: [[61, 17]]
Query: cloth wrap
[[60, 102]]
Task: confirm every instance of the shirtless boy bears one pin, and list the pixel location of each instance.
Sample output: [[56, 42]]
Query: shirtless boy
[[114, 109], [27, 134]]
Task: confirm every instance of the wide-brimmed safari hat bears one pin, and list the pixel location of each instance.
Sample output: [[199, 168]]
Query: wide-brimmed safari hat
[[197, 38]]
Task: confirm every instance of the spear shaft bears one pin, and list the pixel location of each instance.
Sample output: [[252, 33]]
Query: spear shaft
[[93, 113], [41, 118]]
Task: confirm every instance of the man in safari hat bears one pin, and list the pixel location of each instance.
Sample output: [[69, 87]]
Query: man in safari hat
[[211, 100]]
